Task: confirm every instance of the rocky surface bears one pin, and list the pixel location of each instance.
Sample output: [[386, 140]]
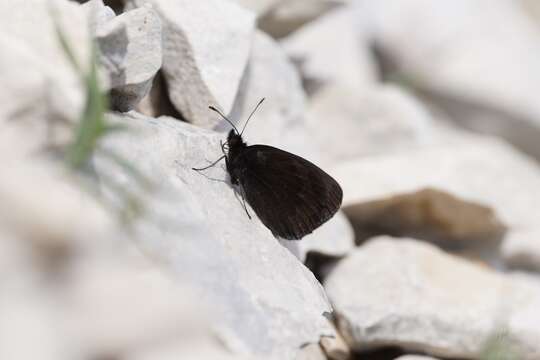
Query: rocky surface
[[130, 49], [100, 14], [458, 74], [280, 120], [104, 225], [35, 95], [407, 293], [486, 172], [376, 120], [233, 262], [313, 47], [206, 46], [284, 17]]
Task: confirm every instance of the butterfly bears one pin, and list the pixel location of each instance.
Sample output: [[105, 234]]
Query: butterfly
[[290, 195]]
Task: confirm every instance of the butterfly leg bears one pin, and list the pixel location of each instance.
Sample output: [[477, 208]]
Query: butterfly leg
[[244, 202], [209, 166]]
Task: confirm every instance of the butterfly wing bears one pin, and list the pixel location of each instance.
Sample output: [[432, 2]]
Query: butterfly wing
[[290, 195]]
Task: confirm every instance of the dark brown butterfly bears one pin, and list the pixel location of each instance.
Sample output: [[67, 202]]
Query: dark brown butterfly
[[290, 195]]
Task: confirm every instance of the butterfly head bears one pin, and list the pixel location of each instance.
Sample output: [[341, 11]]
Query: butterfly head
[[235, 141]]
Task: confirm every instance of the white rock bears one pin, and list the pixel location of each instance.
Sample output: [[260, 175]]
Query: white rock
[[483, 171], [100, 14], [475, 77], [286, 16], [377, 120], [409, 294], [43, 203], [34, 94], [280, 119], [200, 350], [258, 6], [335, 347], [131, 54], [415, 357], [266, 301], [106, 302], [206, 46], [323, 60], [311, 352], [28, 316], [334, 238]]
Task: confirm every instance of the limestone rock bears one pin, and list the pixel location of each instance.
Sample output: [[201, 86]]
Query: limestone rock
[[106, 303], [401, 292], [259, 7], [334, 238], [381, 119], [206, 46], [430, 214], [43, 204], [286, 16], [36, 97], [335, 348], [483, 171], [311, 352], [196, 229], [131, 54], [280, 119], [100, 14], [473, 77], [313, 48]]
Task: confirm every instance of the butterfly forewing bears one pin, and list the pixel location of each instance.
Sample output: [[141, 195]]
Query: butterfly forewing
[[290, 195]]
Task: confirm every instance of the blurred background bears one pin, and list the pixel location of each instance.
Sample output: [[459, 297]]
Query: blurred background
[[425, 112]]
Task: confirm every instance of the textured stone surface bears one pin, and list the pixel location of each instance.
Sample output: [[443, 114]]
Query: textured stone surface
[[335, 348], [286, 16], [131, 54], [380, 119], [474, 77], [484, 171], [334, 238], [401, 292], [322, 60], [280, 119], [206, 240], [99, 15], [258, 6], [35, 95], [206, 46], [430, 214], [311, 352]]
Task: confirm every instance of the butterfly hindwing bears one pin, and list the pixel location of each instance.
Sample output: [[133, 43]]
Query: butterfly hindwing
[[290, 195]]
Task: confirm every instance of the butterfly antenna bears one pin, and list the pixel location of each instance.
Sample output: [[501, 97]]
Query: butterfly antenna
[[250, 115], [224, 117]]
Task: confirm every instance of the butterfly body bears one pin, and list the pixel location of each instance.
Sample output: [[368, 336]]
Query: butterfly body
[[290, 195]]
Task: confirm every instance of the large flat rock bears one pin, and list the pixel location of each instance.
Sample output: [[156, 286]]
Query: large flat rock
[[266, 301], [405, 293]]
